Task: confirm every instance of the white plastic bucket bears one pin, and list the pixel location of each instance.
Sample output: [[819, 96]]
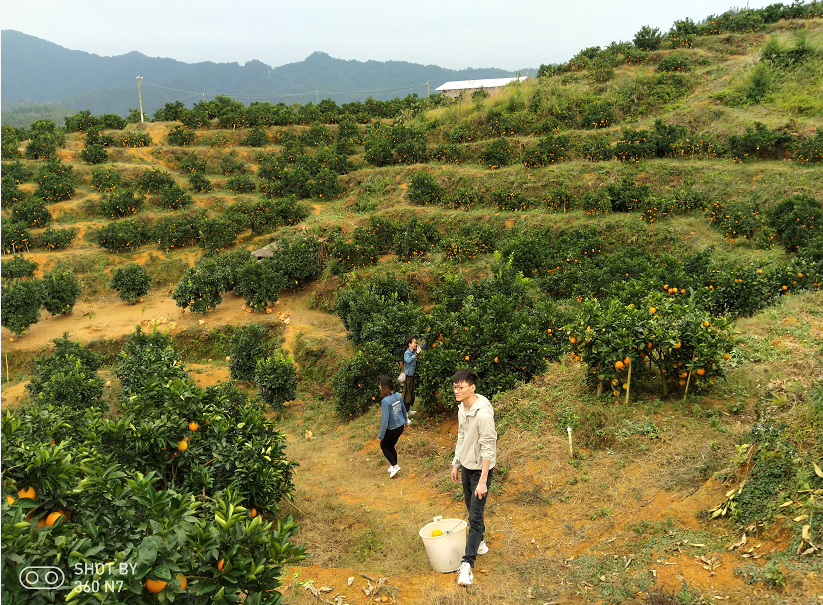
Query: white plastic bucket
[[445, 552]]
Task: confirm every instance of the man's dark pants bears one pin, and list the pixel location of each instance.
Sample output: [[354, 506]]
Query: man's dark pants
[[475, 506]]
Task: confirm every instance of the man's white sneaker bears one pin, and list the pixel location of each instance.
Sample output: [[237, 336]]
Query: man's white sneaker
[[482, 549], [390, 469], [394, 471], [465, 578]]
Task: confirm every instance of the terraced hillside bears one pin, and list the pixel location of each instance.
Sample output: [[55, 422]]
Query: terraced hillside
[[627, 246]]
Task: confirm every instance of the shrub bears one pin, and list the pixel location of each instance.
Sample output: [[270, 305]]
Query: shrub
[[257, 137], [41, 146], [355, 383], [497, 153], [57, 239], [511, 201], [55, 182], [16, 237], [560, 199], [219, 233], [648, 38], [68, 377], [260, 284], [192, 164], [113, 121], [597, 150], [809, 150], [351, 255], [199, 183], [123, 235], [633, 146], [10, 193], [276, 379], [62, 289], [32, 213], [230, 165], [449, 154], [796, 220], [424, 189], [297, 258], [18, 267], [176, 231], [133, 139], [415, 241], [461, 198], [9, 146], [16, 172], [175, 197], [105, 180], [22, 299], [200, 289], [94, 154], [131, 283], [327, 185], [154, 181], [758, 142], [597, 114], [549, 150], [181, 136], [673, 63], [241, 183], [249, 343], [121, 203]]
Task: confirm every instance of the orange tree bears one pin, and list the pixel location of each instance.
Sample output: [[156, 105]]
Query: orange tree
[[184, 488], [669, 337], [492, 327]]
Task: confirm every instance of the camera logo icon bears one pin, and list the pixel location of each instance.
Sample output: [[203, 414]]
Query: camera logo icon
[[42, 578]]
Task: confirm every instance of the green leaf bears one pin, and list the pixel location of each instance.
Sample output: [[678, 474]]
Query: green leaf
[[208, 586], [147, 551]]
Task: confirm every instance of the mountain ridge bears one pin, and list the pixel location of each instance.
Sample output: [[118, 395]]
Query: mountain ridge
[[36, 71]]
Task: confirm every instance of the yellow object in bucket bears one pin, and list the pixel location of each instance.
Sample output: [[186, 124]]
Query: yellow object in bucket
[[436, 533]]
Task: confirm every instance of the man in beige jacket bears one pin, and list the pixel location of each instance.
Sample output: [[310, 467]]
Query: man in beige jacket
[[474, 458]]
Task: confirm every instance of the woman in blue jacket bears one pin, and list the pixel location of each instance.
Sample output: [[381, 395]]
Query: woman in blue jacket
[[410, 356], [394, 420]]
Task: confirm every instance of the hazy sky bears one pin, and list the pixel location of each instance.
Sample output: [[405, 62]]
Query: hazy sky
[[454, 34]]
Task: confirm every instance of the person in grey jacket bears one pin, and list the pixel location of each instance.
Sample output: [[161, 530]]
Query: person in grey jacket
[[394, 419], [410, 355], [475, 455]]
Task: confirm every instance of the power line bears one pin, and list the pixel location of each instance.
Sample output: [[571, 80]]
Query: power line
[[298, 94]]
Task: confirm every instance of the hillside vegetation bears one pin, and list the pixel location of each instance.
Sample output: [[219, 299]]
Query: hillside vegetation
[[626, 249]]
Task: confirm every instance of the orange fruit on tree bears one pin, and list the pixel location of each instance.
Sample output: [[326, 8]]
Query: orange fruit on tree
[[220, 564], [495, 360], [627, 361], [677, 345], [183, 445], [27, 493], [682, 382], [53, 517], [183, 581], [155, 586], [572, 339], [619, 365], [10, 500], [705, 324], [726, 356], [616, 393], [253, 513], [652, 310], [467, 357], [41, 523], [193, 426], [700, 371]]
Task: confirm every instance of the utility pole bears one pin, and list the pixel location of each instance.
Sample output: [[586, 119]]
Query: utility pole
[[140, 97], [427, 89]]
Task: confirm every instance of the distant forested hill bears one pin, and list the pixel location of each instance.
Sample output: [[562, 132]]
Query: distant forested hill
[[35, 71]]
